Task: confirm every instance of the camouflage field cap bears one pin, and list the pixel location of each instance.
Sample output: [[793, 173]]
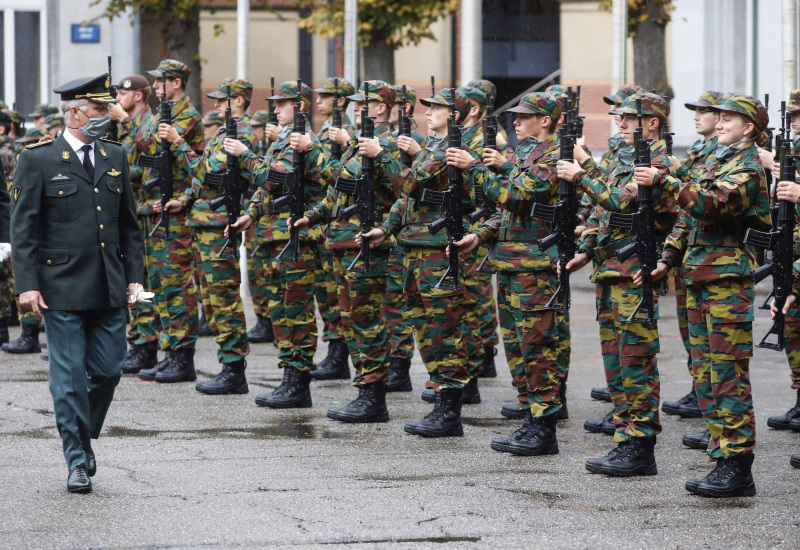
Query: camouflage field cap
[[3, 105], [378, 91], [486, 86], [16, 117], [43, 110], [345, 88], [411, 95], [747, 106], [623, 93], [558, 90], [652, 105], [53, 121], [539, 103], [213, 117], [793, 105], [239, 87], [259, 119], [707, 99], [475, 96], [33, 135], [133, 82], [288, 90], [173, 67], [442, 97]]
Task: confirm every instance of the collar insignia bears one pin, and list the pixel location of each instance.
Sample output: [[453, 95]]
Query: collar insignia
[[65, 155], [102, 151]]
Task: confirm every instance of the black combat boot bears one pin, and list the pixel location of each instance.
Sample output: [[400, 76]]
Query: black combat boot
[[399, 377], [203, 328], [139, 358], [539, 439], [3, 331], [782, 422], [28, 342], [293, 393], [732, 477], [697, 441], [150, 374], [685, 407], [603, 425], [503, 444], [514, 412], [231, 379], [563, 413], [445, 418], [369, 406], [489, 370], [795, 461], [336, 365], [601, 394], [180, 369], [630, 458], [261, 333], [429, 396], [794, 425], [471, 395]]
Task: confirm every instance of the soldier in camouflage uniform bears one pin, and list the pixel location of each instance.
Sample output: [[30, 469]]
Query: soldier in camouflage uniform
[[221, 277], [41, 112], [290, 284], [54, 124], [212, 122], [708, 242], [490, 91], [536, 339], [8, 160], [32, 135], [362, 293], [629, 345]]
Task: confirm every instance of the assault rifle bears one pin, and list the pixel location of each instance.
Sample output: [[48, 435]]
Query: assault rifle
[[450, 201], [113, 129], [363, 190], [336, 120], [293, 185], [564, 213], [404, 126], [642, 224], [161, 162], [487, 205], [577, 118]]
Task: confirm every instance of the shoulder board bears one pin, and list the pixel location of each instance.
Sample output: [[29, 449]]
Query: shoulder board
[[40, 143], [110, 141]]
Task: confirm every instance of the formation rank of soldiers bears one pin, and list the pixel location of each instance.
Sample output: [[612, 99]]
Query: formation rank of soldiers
[[396, 235]]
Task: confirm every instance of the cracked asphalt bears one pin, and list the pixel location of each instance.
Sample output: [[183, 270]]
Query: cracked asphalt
[[177, 469]]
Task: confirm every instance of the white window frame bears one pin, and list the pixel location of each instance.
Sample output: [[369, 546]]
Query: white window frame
[[9, 61]]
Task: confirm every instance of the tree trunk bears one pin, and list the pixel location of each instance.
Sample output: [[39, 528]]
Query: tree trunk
[[649, 51], [181, 41], [378, 60]]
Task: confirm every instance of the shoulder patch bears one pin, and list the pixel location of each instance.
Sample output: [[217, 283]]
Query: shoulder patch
[[40, 143]]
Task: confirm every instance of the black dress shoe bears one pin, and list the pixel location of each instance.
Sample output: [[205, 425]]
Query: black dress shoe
[[732, 477], [603, 425], [28, 342], [149, 374], [601, 394], [539, 439], [336, 366], [91, 464], [514, 412], [399, 376], [231, 379], [634, 457], [795, 461], [503, 444], [698, 441], [139, 358], [293, 393], [78, 481], [784, 421], [488, 369], [685, 407], [180, 369], [445, 418], [369, 406]]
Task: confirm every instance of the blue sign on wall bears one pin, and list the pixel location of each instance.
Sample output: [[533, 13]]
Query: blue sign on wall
[[86, 33]]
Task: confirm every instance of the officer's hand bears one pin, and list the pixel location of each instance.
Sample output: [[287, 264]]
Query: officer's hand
[[131, 293], [117, 113], [338, 135], [578, 261], [375, 236], [465, 245], [299, 142], [369, 148], [302, 222], [492, 158], [32, 300], [459, 158], [500, 139], [242, 224], [174, 206], [233, 147], [157, 207], [271, 132], [791, 300], [788, 191], [767, 158], [645, 176], [675, 162], [408, 145], [579, 153], [579, 229], [167, 132], [568, 170]]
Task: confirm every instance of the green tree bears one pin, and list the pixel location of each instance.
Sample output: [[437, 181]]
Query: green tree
[[383, 26]]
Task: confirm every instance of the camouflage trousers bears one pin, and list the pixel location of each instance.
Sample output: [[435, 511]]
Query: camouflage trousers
[[26, 316], [679, 287], [325, 293], [720, 317], [536, 339], [629, 358], [6, 290], [474, 288], [219, 288], [175, 294], [361, 299], [441, 318], [487, 307], [290, 288], [395, 310], [256, 273], [145, 323], [793, 346]]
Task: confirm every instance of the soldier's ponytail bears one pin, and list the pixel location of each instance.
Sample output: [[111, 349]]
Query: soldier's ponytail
[[762, 140]]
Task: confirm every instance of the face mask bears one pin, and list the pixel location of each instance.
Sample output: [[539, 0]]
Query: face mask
[[726, 152], [626, 154], [526, 147], [95, 128]]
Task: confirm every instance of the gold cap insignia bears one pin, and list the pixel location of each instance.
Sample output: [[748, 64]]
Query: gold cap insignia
[[15, 191], [108, 82], [103, 152], [113, 173], [65, 155], [126, 84]]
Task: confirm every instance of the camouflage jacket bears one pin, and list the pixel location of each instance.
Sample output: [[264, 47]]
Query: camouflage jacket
[[8, 157], [415, 134], [388, 186], [531, 178], [715, 213], [272, 223], [607, 161], [213, 160], [323, 132], [619, 193], [698, 160], [128, 134]]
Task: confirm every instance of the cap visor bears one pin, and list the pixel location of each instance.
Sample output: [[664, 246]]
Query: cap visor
[[610, 99], [428, 101], [216, 94], [322, 91], [521, 110], [278, 96], [697, 104]]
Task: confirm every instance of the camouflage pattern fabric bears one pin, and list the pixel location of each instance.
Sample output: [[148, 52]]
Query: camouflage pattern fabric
[[395, 310], [9, 158], [256, 274], [325, 294], [324, 137], [6, 290], [511, 343]]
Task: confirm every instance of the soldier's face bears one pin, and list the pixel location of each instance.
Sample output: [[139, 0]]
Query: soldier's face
[[796, 122], [54, 131], [258, 131], [210, 131], [629, 123], [126, 99], [705, 120], [437, 118], [325, 104], [284, 108], [172, 86], [38, 121], [732, 127]]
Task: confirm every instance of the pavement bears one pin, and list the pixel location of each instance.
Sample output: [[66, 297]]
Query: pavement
[[177, 469]]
